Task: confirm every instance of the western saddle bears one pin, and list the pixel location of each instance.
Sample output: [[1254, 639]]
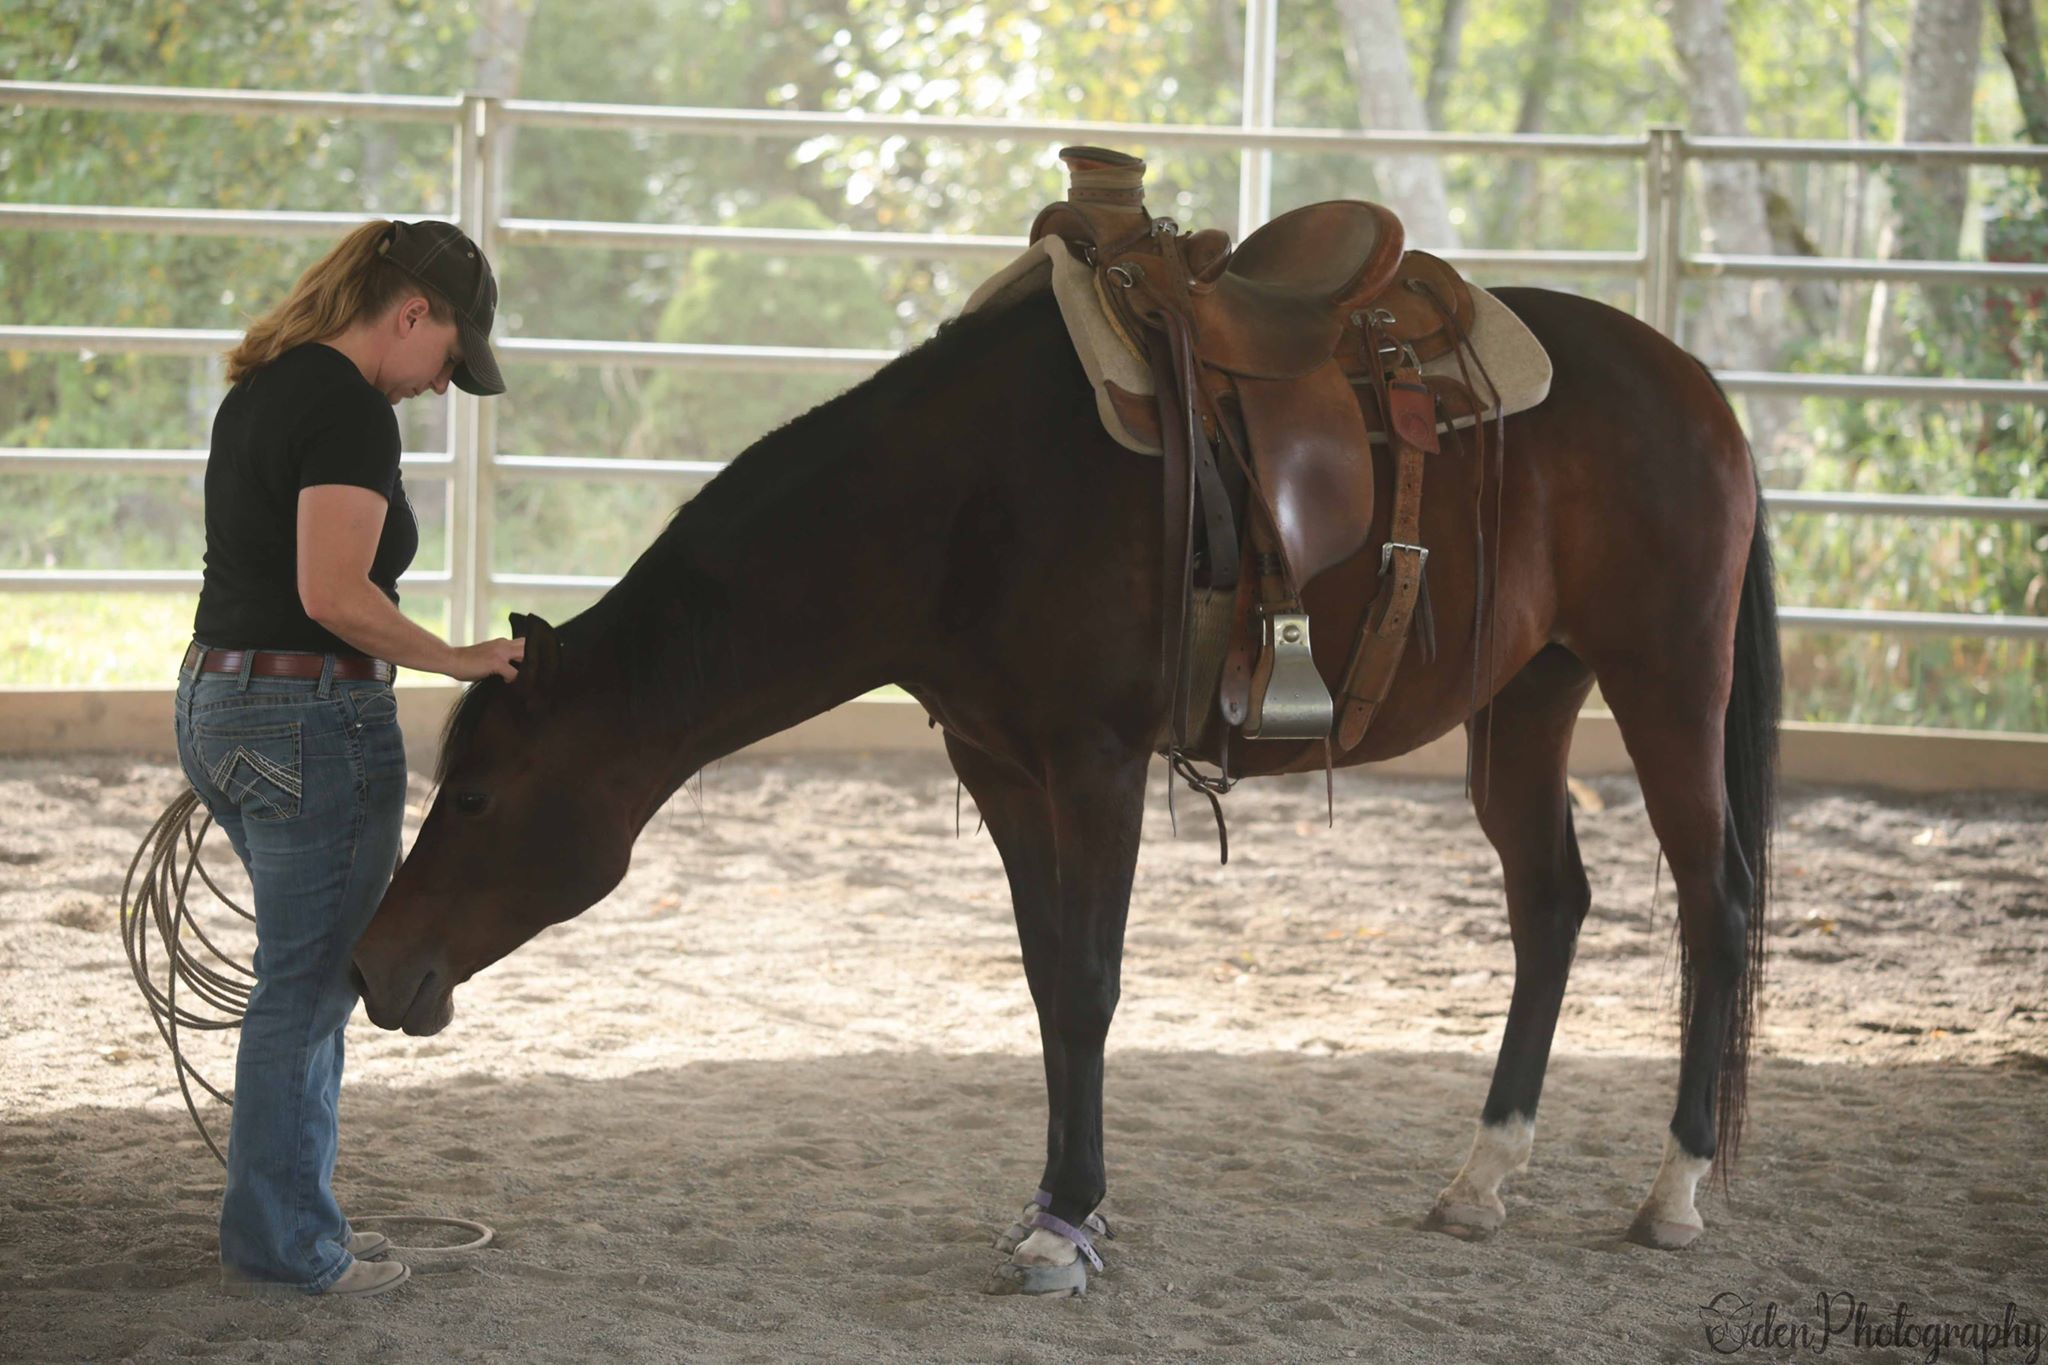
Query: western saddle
[[1287, 353]]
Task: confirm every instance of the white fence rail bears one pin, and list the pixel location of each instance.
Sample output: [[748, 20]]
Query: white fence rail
[[1659, 267]]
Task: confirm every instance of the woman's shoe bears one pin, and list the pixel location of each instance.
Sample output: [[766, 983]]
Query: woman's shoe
[[364, 1278], [359, 1281], [365, 1245]]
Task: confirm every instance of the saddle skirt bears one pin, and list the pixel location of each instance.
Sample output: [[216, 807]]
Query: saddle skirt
[[1510, 354]]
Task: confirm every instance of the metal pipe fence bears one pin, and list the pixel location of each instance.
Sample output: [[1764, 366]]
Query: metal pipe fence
[[472, 466]]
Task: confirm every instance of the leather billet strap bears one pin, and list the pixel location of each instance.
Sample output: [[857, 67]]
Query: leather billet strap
[[1234, 689], [1411, 430], [278, 664]]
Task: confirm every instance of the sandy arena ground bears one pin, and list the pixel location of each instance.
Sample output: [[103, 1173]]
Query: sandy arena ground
[[769, 1101]]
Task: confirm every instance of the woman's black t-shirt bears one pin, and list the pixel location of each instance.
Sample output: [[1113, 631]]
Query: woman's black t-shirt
[[308, 417]]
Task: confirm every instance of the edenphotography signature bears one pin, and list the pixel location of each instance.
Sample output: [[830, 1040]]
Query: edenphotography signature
[[1734, 1323]]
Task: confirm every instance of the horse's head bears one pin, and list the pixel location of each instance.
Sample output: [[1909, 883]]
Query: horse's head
[[528, 827]]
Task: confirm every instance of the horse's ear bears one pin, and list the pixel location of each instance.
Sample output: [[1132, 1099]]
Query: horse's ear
[[543, 655]]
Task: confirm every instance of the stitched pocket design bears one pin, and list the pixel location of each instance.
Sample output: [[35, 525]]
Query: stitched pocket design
[[375, 707], [258, 770]]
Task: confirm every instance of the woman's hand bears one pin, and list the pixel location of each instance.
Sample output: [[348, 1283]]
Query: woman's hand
[[487, 658], [338, 527]]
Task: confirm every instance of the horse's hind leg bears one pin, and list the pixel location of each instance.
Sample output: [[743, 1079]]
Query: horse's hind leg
[[1019, 819], [1519, 743], [1673, 719]]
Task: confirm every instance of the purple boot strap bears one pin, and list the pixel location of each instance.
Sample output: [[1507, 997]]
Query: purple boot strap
[[1060, 1227], [1094, 1222]]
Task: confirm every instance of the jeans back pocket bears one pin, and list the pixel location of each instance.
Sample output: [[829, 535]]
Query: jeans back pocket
[[257, 768], [373, 706]]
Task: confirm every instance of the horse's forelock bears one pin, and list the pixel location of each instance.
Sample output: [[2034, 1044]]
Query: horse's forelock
[[462, 723]]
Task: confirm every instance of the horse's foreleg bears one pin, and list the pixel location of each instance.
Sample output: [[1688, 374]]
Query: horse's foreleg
[[1019, 818], [1097, 795], [1519, 743], [1673, 727]]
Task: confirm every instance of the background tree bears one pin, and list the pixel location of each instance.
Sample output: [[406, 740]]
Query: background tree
[[1377, 51], [1796, 71], [1746, 326], [1926, 210], [2022, 50]]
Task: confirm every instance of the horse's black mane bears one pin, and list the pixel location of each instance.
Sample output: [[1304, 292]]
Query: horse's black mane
[[677, 610]]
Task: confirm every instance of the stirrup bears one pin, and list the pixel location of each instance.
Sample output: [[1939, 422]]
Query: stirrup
[[1296, 704]]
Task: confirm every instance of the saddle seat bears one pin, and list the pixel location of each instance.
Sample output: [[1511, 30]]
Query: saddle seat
[[1276, 307]]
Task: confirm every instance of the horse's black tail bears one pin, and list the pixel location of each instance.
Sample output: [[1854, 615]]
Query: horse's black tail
[[1750, 771]]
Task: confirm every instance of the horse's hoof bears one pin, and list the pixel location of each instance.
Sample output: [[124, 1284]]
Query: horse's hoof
[[1065, 1281], [1466, 1221], [1662, 1236]]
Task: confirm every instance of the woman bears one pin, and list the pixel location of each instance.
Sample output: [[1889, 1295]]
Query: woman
[[286, 721]]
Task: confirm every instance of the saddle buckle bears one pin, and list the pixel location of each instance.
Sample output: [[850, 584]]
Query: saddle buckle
[[1387, 555], [1296, 704]]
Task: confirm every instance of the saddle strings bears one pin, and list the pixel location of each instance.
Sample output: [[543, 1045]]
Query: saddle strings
[[1486, 617], [1180, 344]]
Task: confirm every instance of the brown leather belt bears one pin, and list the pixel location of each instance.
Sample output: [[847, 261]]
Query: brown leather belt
[[269, 663]]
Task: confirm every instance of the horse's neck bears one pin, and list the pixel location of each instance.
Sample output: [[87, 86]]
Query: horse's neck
[[825, 580]]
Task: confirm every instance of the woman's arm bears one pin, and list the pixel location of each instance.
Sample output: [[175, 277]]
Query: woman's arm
[[339, 526]]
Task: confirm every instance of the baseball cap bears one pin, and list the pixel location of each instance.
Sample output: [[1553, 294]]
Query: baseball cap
[[441, 256]]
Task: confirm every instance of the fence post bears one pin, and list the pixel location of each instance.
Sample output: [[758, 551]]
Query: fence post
[[471, 421], [1663, 219], [1255, 165]]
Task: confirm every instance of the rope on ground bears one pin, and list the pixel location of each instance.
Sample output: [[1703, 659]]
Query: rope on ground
[[154, 910], [171, 853]]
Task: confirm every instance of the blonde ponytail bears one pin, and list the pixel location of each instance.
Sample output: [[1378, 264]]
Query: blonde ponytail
[[351, 282]]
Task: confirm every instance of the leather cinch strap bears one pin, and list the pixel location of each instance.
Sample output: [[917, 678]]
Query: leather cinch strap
[[269, 663]]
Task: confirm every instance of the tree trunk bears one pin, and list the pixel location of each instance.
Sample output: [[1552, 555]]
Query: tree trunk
[[1553, 43], [1443, 63], [1377, 53], [1734, 207], [2022, 48], [1940, 86], [498, 47], [1928, 202], [375, 172]]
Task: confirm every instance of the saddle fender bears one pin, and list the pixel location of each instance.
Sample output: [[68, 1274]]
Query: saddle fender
[[1314, 458]]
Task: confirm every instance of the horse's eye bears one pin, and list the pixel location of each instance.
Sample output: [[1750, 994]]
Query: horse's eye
[[471, 803]]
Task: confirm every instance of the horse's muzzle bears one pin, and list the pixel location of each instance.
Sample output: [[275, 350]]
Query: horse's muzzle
[[420, 1002]]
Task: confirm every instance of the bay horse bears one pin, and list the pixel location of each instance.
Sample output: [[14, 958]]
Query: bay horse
[[960, 524]]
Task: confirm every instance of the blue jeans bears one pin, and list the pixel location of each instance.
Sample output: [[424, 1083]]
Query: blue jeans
[[306, 777]]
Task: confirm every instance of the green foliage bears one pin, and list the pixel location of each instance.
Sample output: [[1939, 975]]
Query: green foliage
[[1988, 450], [1133, 61]]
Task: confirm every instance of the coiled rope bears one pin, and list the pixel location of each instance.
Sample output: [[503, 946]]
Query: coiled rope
[[216, 991]]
